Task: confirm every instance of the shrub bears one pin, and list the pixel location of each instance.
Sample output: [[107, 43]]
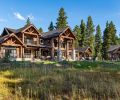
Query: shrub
[[6, 58]]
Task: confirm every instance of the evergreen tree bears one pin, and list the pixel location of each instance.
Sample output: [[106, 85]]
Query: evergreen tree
[[28, 22], [98, 42], [77, 31], [51, 27], [112, 31], [89, 39], [62, 19], [40, 30], [106, 42], [109, 38], [83, 32]]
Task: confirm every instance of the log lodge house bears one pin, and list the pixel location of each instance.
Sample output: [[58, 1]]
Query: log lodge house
[[28, 44], [114, 52]]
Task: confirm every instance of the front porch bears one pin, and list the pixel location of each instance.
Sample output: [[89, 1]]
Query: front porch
[[20, 53]]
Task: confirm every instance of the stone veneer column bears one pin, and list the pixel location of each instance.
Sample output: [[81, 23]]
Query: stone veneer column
[[67, 49], [73, 55], [39, 53], [59, 52], [73, 51]]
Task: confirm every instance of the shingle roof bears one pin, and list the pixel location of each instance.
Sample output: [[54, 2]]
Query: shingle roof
[[113, 47], [53, 33], [10, 30], [4, 38], [18, 30]]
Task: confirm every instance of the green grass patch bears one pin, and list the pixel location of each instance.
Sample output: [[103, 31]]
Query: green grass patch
[[60, 81]]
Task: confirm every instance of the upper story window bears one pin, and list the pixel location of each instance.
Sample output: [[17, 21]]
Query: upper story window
[[55, 43], [30, 40], [41, 41]]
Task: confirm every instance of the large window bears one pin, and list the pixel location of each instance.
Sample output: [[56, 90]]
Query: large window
[[11, 52], [27, 53], [30, 41], [63, 45]]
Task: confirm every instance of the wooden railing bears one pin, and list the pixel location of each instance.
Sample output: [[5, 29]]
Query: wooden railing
[[30, 42]]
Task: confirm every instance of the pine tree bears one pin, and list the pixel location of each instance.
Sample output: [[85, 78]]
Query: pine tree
[[109, 38], [83, 32], [98, 42], [28, 22], [62, 19], [77, 32], [40, 30], [106, 42], [112, 31], [51, 27], [90, 33]]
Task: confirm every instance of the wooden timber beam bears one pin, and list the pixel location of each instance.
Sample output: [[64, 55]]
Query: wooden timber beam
[[52, 50], [11, 45], [67, 37], [30, 33]]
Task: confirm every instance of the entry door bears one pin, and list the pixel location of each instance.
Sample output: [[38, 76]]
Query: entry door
[[35, 53]]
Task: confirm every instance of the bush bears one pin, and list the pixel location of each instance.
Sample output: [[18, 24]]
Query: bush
[[6, 58]]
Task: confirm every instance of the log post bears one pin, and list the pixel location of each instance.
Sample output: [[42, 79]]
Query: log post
[[23, 37], [52, 50], [39, 53], [17, 50], [21, 52], [67, 49]]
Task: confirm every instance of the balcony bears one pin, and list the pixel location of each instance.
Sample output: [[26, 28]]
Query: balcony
[[30, 42]]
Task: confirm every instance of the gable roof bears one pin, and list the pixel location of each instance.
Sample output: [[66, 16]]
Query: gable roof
[[54, 33], [83, 49], [10, 30], [113, 48], [4, 38]]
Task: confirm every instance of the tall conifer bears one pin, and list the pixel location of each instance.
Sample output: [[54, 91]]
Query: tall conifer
[[77, 32], [90, 33], [62, 19], [98, 42], [83, 33], [112, 31], [28, 22], [51, 27], [40, 30], [106, 42]]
